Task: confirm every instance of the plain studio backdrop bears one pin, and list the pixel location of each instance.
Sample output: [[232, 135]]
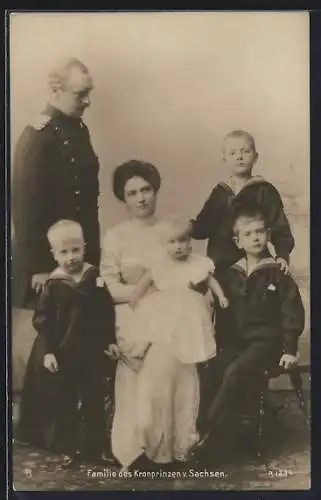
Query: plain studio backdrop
[[168, 87]]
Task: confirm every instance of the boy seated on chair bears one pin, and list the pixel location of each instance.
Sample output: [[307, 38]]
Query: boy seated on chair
[[258, 330]]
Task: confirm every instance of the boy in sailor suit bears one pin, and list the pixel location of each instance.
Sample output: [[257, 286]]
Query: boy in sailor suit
[[259, 329]]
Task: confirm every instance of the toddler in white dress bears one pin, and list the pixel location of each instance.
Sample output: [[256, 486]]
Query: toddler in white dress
[[176, 313]]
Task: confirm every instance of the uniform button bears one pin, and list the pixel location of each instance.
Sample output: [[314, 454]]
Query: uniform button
[[77, 193], [66, 142], [77, 209], [76, 177], [72, 160]]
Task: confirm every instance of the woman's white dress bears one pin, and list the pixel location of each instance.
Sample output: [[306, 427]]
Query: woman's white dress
[[156, 398]]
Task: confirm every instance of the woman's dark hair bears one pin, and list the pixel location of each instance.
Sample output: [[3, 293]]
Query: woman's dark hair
[[134, 168]]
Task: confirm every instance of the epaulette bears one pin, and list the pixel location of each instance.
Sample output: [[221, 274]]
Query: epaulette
[[40, 122]]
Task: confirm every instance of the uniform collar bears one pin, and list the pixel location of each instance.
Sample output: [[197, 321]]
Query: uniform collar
[[57, 114], [265, 262], [228, 184]]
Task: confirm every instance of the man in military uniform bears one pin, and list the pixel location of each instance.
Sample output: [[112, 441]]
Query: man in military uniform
[[55, 176]]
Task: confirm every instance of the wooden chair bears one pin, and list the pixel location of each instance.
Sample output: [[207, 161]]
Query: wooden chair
[[264, 406]]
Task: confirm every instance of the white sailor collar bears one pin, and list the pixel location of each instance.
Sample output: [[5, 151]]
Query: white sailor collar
[[59, 273], [241, 265], [229, 184]]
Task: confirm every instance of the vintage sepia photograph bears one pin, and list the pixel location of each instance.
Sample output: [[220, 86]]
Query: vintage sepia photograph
[[160, 246]]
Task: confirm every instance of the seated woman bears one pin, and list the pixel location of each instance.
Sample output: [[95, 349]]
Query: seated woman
[[156, 380]]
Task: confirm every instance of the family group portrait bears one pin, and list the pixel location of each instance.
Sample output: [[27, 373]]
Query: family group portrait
[[159, 276]]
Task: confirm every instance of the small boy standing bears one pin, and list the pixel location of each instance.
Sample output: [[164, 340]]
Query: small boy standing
[[260, 328], [214, 220], [75, 322]]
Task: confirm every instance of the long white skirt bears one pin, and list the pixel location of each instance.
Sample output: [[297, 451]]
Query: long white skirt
[[156, 407]]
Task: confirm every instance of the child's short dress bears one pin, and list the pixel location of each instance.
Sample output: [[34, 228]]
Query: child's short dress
[[175, 314]]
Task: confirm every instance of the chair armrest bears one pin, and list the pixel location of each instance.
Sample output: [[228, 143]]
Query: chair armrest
[[276, 371]]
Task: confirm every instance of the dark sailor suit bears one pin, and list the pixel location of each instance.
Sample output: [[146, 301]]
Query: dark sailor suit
[[75, 321], [214, 222]]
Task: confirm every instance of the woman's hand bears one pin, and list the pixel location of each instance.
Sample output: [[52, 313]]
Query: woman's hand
[[133, 301], [141, 289], [223, 301], [50, 362], [133, 274]]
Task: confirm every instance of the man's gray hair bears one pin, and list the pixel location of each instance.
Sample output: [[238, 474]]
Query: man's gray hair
[[58, 75]]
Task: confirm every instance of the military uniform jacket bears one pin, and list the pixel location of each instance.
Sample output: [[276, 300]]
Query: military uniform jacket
[[55, 176], [264, 306], [214, 220]]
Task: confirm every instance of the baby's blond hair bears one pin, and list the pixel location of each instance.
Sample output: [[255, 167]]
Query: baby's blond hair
[[177, 227]]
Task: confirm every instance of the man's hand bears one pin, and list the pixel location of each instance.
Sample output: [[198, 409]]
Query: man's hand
[[112, 351], [38, 281], [50, 362], [283, 265], [288, 361]]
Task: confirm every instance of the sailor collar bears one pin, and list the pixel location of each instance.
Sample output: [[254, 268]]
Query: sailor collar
[[59, 274], [266, 262], [228, 185]]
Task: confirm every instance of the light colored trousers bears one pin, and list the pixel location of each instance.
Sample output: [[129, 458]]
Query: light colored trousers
[[23, 336]]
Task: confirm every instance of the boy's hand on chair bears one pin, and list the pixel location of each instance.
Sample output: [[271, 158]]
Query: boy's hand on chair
[[224, 303], [50, 362], [288, 361], [283, 265]]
